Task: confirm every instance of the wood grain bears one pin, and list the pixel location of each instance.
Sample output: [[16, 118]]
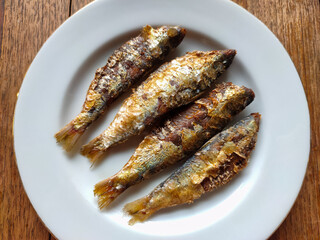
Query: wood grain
[[1, 22], [76, 5], [24, 27]]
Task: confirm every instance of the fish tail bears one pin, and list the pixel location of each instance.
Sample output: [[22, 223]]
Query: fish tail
[[68, 136], [138, 210], [107, 190], [92, 151]]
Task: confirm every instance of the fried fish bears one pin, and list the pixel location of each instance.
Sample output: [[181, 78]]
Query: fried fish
[[214, 165], [128, 64]]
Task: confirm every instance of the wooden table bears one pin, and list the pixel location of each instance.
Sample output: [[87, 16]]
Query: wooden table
[[24, 27]]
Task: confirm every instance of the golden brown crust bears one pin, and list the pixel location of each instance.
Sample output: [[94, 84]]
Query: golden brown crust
[[179, 137], [128, 64], [212, 166], [174, 84]]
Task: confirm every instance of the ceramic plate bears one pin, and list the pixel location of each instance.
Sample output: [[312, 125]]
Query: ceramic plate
[[60, 185]]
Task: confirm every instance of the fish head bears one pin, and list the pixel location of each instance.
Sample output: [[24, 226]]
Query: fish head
[[215, 62], [175, 35]]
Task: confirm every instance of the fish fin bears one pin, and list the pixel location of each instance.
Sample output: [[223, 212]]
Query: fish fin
[[68, 136], [107, 191], [138, 210], [91, 151]]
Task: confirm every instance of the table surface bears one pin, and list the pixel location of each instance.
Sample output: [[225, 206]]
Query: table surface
[[24, 27]]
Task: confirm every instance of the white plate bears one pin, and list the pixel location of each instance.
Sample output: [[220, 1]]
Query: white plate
[[60, 185]]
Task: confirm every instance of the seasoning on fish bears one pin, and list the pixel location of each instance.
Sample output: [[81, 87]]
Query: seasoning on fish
[[214, 165], [180, 136], [174, 84], [130, 63]]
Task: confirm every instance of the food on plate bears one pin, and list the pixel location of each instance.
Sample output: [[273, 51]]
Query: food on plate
[[174, 84], [214, 165], [181, 135], [128, 64]]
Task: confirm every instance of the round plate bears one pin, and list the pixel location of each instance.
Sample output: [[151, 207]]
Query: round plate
[[60, 185]]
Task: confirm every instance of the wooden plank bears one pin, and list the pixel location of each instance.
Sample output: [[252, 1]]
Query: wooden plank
[[1, 21], [297, 25], [26, 26]]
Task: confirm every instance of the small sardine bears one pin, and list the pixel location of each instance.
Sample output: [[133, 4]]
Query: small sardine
[[214, 165], [180, 136], [130, 63], [174, 84]]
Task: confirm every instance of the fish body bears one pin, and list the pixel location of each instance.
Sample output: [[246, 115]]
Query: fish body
[[128, 64], [214, 165], [174, 84], [179, 137]]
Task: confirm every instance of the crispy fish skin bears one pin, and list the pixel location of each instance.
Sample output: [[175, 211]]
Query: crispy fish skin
[[180, 136], [125, 66], [174, 84], [214, 165]]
